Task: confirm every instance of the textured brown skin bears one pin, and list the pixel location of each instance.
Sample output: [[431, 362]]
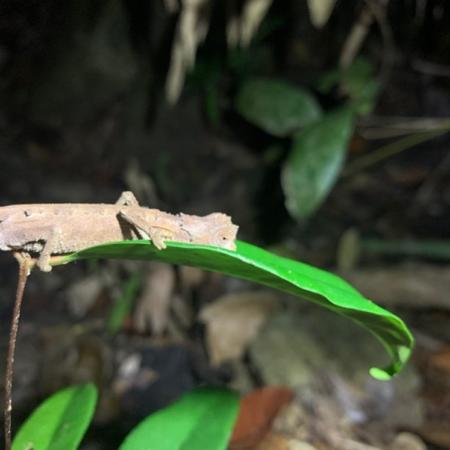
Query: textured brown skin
[[72, 227]]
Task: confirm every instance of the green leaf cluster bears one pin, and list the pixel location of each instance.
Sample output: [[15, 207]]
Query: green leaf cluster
[[318, 140], [203, 418]]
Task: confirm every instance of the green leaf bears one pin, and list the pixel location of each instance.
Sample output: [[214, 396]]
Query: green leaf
[[255, 264], [124, 304], [201, 419], [357, 82], [277, 107], [60, 421], [315, 162]]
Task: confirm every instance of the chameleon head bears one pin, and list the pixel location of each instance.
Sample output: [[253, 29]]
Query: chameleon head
[[222, 232]]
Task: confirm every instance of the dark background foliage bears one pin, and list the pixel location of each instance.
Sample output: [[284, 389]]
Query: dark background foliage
[[84, 115]]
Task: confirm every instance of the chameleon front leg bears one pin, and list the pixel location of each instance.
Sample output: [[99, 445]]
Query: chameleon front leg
[[51, 241], [127, 198], [145, 230]]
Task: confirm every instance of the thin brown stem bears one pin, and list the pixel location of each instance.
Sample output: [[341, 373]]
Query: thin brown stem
[[24, 271], [389, 150]]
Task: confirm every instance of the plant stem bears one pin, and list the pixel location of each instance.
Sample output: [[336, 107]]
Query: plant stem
[[435, 249], [24, 271], [391, 149]]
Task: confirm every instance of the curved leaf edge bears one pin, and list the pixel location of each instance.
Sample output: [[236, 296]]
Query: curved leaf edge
[[355, 306]]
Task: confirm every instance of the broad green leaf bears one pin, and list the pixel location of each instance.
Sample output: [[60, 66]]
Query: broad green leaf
[[60, 421], [255, 264], [315, 162], [277, 107], [201, 419], [357, 81]]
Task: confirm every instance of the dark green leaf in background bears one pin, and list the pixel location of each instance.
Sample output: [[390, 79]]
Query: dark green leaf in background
[[255, 264], [277, 107], [315, 162], [357, 82], [123, 304], [201, 419], [59, 422]]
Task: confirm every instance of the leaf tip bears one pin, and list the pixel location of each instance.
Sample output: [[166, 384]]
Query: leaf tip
[[380, 374], [402, 355]]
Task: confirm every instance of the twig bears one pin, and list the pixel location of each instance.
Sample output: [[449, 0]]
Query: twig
[[385, 127], [372, 11], [379, 10], [435, 249], [25, 265], [356, 37], [425, 191], [391, 149], [430, 68]]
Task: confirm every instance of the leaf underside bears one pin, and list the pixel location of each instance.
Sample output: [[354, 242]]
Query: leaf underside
[[301, 280]]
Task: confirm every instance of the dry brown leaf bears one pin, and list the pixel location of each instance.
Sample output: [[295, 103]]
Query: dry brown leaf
[[440, 360], [257, 412], [436, 394], [242, 25], [437, 434], [232, 322], [320, 11], [182, 312], [191, 30], [349, 250], [252, 16], [153, 305], [82, 294], [273, 441], [407, 441], [171, 6], [300, 445], [191, 277]]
